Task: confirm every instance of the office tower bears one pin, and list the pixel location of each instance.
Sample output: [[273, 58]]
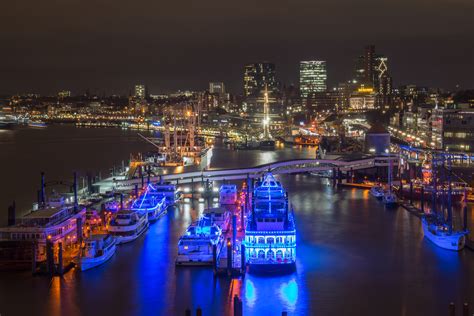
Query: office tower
[[257, 76], [371, 70], [140, 91], [216, 87], [313, 77]]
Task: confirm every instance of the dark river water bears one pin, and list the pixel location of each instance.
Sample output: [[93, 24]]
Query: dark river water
[[353, 256]]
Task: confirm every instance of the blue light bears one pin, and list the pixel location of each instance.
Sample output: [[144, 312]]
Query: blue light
[[250, 293], [156, 123], [289, 293]]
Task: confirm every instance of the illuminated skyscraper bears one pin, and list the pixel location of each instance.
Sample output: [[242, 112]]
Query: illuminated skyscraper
[[216, 87], [257, 76], [313, 77], [371, 70], [140, 91]]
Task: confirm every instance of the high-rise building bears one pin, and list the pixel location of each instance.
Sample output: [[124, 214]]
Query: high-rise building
[[216, 87], [257, 76], [371, 70], [313, 77], [140, 91]]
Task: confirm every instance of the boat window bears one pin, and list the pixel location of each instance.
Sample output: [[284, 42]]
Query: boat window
[[261, 240], [261, 254], [279, 254], [270, 254], [270, 240]]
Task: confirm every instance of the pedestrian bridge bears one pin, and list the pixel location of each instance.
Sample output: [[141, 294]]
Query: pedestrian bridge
[[279, 167]]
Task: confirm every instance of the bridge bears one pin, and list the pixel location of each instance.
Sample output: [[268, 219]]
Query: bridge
[[280, 167]]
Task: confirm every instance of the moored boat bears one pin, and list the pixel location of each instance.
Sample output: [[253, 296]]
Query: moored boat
[[37, 124], [228, 194], [195, 247], [150, 202], [438, 233], [219, 216], [270, 234], [377, 191], [128, 225], [96, 250]]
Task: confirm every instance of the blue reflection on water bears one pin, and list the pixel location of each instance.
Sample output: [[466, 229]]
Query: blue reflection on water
[[250, 293], [289, 293]]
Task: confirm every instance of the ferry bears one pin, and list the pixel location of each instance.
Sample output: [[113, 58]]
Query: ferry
[[377, 191], [228, 194], [128, 225], [438, 233], [153, 204], [96, 250], [56, 222], [195, 247], [270, 234], [219, 216]]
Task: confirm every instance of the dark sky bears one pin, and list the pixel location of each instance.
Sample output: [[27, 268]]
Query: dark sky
[[109, 45]]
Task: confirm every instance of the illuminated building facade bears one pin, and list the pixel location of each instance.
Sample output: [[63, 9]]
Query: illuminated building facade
[[453, 129], [313, 77], [257, 76], [216, 87], [362, 99], [371, 70], [140, 91]]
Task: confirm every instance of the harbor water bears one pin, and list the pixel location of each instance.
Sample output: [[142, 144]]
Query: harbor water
[[354, 257]]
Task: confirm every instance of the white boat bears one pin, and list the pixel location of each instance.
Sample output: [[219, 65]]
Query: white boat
[[150, 202], [56, 222], [195, 247], [128, 225], [219, 216], [228, 194], [439, 234], [96, 250], [377, 191]]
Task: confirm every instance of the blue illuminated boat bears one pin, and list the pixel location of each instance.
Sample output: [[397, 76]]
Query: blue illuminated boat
[[151, 202], [270, 234], [127, 225]]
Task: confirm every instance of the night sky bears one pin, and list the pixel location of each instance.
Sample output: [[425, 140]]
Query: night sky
[[108, 46]]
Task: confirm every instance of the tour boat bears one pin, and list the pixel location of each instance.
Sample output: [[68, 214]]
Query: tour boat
[[56, 222], [195, 247], [228, 194], [96, 250], [153, 204], [438, 232], [270, 234], [93, 219], [219, 216], [128, 225], [377, 191]]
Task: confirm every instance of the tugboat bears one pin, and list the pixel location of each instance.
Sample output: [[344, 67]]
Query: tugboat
[[96, 250], [195, 246], [228, 194], [128, 225], [270, 234], [151, 203]]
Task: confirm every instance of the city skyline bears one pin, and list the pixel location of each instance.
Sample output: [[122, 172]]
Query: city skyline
[[69, 46]]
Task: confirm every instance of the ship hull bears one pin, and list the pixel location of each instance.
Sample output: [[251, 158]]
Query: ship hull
[[454, 242], [89, 263], [269, 268]]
